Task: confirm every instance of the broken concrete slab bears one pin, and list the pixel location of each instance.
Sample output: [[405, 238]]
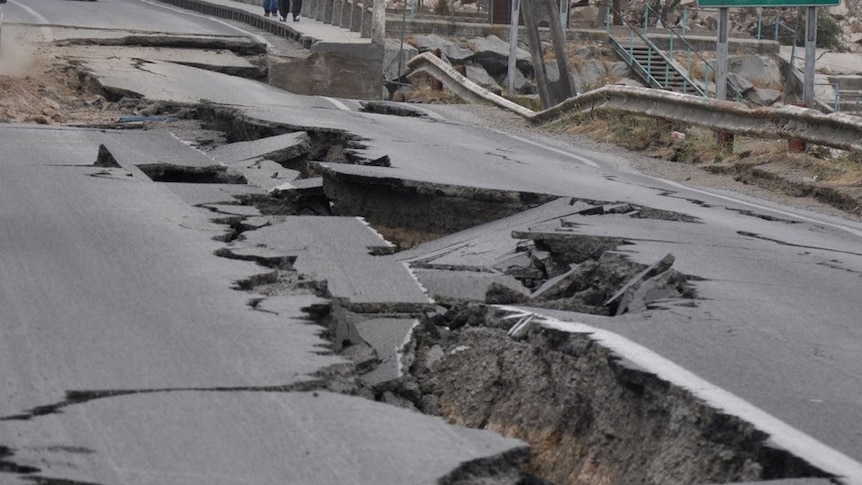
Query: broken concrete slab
[[626, 295], [465, 284], [553, 288], [425, 206], [300, 184], [363, 356], [338, 250], [387, 336], [265, 174], [211, 58], [485, 245], [279, 148], [199, 194], [150, 148]]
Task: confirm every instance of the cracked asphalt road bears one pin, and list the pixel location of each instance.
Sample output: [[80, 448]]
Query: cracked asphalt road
[[127, 357], [121, 335]]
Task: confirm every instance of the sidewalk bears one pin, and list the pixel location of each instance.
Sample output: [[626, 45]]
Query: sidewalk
[[340, 62], [307, 31]]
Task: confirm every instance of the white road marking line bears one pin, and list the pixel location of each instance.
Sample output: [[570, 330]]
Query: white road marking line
[[247, 33], [792, 215], [338, 104], [585, 161]]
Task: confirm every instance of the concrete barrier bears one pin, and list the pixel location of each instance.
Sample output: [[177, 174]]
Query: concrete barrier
[[836, 130]]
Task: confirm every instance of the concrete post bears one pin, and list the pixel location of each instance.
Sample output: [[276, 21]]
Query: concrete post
[[378, 22], [810, 56], [550, 92], [328, 8], [723, 138], [513, 46], [721, 54]]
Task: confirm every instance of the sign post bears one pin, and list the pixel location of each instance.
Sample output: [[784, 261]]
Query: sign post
[[513, 46], [810, 54], [721, 53], [810, 37], [725, 140]]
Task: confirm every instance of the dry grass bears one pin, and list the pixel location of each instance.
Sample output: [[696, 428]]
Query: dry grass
[[700, 147], [421, 92], [844, 170]]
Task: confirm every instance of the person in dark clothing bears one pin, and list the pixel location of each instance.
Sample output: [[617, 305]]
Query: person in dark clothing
[[270, 7], [284, 6]]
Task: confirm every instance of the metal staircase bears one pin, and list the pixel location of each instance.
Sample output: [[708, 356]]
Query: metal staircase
[[657, 68]]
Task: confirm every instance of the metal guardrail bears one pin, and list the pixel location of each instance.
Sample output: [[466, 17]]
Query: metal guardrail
[[836, 130]]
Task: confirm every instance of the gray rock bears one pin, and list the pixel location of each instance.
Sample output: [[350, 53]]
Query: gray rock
[[363, 356], [619, 70], [520, 81], [386, 336], [450, 49], [391, 61], [761, 71], [589, 73], [480, 76], [739, 83], [586, 52], [493, 54], [763, 96]]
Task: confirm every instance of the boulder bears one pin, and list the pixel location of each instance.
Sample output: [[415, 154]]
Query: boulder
[[456, 53], [480, 76], [520, 81], [761, 71], [586, 16], [391, 63], [586, 52], [619, 69], [763, 96], [589, 74], [839, 11], [739, 83], [493, 54]]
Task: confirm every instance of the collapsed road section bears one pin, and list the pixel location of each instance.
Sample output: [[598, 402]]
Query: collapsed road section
[[588, 415]]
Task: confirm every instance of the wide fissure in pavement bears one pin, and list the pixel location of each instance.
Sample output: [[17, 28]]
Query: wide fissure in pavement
[[587, 416]]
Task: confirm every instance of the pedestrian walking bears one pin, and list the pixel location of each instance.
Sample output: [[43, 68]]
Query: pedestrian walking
[[270, 7], [284, 6]]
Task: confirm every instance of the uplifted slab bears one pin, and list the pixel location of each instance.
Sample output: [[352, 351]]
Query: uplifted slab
[[275, 148], [340, 251]]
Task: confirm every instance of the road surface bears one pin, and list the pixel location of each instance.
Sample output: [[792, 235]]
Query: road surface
[[128, 358]]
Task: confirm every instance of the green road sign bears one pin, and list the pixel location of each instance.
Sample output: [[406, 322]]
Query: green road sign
[[767, 3]]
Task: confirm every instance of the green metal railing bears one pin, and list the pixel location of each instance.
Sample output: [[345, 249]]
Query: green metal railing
[[690, 51], [676, 37], [653, 51]]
